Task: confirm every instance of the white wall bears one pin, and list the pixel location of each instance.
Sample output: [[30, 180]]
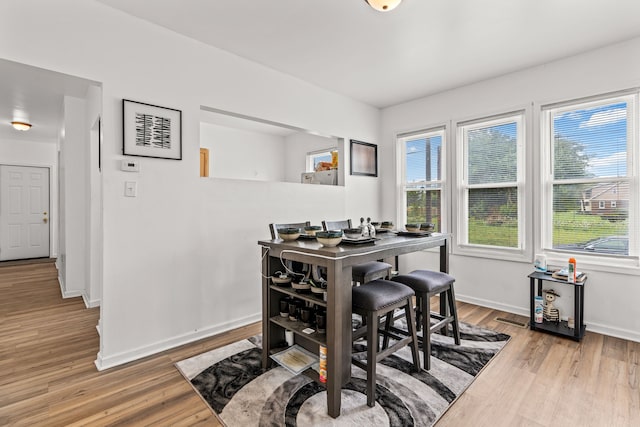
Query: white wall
[[297, 147], [180, 261], [610, 297], [75, 205], [41, 154], [93, 194], [243, 154]]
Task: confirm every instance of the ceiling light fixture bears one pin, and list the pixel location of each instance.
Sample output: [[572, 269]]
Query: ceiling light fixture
[[383, 5], [21, 125]]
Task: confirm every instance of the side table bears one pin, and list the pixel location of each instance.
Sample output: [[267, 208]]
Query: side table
[[561, 328]]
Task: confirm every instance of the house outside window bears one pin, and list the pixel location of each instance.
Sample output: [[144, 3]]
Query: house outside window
[[490, 184], [422, 181], [590, 160]]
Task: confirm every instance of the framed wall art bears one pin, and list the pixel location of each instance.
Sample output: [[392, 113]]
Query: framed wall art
[[364, 158], [151, 131]]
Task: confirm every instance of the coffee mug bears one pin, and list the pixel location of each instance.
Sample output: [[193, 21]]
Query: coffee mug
[[294, 310], [284, 307], [305, 315], [321, 321]]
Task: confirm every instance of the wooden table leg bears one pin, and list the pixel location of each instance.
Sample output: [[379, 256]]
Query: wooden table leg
[[338, 334]]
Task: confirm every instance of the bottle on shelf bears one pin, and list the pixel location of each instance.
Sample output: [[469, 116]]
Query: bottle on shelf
[[571, 277], [323, 364]]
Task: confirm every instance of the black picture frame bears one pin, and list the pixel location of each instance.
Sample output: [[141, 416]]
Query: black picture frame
[[151, 131], [364, 158]]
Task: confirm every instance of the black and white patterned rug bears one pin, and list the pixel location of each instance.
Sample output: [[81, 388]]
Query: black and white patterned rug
[[231, 381]]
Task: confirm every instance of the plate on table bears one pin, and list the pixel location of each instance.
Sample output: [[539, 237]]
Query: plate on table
[[415, 233], [359, 241]]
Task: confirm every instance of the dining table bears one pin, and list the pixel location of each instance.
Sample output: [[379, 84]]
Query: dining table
[[337, 262]]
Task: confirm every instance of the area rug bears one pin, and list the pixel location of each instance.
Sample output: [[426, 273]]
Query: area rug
[[230, 380]]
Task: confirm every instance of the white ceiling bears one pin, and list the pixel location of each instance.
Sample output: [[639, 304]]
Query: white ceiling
[[420, 48], [36, 96]]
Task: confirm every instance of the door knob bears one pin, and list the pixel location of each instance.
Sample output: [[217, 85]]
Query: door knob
[[44, 220]]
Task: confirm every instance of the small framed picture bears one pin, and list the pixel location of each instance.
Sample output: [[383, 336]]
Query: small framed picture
[[151, 131], [364, 158]]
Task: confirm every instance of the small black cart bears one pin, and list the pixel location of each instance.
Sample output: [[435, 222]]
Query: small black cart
[[561, 328]]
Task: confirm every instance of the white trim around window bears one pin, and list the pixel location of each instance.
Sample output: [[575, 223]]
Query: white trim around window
[[491, 203]]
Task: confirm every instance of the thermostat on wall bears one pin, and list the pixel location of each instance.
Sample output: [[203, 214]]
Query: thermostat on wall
[[130, 165]]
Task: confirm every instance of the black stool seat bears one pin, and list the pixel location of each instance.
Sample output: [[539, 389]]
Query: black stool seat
[[426, 284], [373, 300], [379, 294], [368, 271], [426, 280]]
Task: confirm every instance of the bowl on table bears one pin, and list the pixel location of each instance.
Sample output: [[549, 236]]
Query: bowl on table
[[387, 224], [427, 226], [329, 238], [352, 233], [311, 230], [412, 227], [289, 233]]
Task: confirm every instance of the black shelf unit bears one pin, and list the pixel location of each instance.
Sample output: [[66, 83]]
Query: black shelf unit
[[561, 328]]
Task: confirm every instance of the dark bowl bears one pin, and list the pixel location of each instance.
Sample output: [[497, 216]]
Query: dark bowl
[[427, 227], [289, 233], [311, 230], [329, 234], [352, 233]]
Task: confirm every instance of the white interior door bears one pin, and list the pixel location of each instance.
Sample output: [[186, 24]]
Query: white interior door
[[24, 212]]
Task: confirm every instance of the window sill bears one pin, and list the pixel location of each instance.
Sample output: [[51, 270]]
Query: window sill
[[502, 254], [589, 262]]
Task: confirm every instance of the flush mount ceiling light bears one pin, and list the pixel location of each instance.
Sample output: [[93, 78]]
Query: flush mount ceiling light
[[21, 125], [383, 5]]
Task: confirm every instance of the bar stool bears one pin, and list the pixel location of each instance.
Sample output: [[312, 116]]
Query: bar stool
[[365, 272], [426, 284], [372, 270], [372, 301]]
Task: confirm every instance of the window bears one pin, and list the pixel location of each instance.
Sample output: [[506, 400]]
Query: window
[[315, 157], [490, 182], [423, 177], [590, 159]]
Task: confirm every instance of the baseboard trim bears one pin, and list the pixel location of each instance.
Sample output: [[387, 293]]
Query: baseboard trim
[[494, 305], [106, 362], [591, 327], [90, 303]]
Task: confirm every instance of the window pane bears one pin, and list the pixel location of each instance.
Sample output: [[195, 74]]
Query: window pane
[[493, 217], [423, 161], [585, 221], [423, 206], [493, 154], [590, 142]]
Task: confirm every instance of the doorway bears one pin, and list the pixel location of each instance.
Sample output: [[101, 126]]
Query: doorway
[[24, 212]]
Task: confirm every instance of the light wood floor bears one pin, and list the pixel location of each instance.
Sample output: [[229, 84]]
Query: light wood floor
[[48, 378]]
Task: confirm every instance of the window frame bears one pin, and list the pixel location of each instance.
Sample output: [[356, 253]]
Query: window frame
[[401, 140], [461, 246], [547, 181]]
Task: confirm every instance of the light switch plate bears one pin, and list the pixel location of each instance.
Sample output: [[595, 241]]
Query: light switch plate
[[130, 188]]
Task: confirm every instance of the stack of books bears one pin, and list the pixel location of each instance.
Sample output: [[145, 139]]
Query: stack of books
[[564, 275]]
